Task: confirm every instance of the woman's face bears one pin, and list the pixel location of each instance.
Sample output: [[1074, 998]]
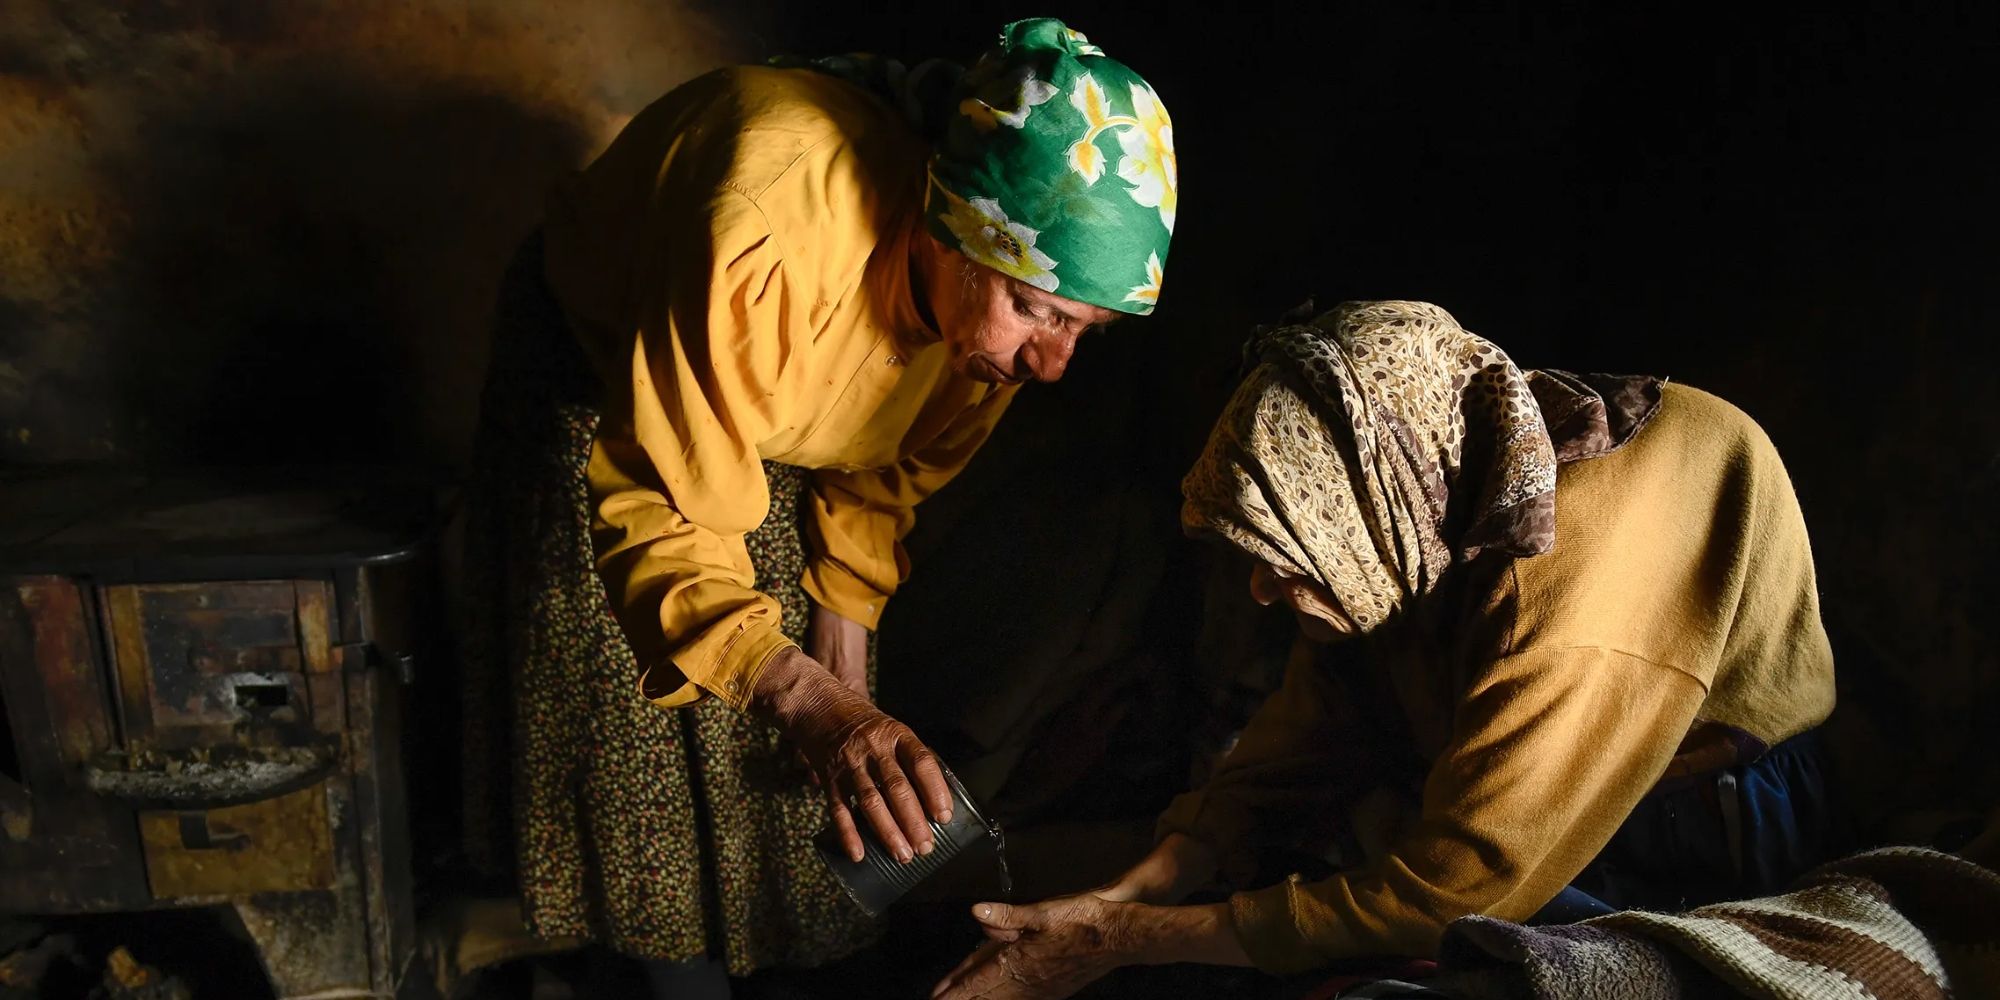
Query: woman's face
[[1319, 615], [997, 328]]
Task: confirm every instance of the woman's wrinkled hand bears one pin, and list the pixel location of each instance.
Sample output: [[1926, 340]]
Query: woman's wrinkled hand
[[1046, 950], [840, 644], [860, 755]]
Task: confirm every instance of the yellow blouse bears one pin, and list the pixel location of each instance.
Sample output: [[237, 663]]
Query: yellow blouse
[[737, 267]]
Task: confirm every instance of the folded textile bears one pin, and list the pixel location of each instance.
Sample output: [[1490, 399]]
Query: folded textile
[[1890, 923]]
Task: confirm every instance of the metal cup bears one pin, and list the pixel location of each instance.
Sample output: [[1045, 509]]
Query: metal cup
[[878, 879]]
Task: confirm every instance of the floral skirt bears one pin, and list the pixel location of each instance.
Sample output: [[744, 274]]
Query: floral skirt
[[663, 834]]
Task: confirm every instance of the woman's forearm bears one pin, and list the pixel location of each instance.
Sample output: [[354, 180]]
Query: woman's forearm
[[1205, 934], [1164, 934], [1176, 866]]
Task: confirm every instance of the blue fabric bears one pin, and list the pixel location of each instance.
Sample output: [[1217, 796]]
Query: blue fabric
[[1571, 905], [1676, 850], [1786, 822]]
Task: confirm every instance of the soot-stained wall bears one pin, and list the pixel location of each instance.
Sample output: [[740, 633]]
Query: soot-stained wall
[[254, 232]]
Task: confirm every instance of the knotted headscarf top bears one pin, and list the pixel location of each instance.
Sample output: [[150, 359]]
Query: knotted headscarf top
[[1053, 163], [1372, 448]]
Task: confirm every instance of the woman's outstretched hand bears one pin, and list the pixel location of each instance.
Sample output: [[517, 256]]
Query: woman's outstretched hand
[[1044, 950], [1050, 950]]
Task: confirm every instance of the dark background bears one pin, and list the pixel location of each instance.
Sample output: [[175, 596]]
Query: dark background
[[247, 233], [1793, 210]]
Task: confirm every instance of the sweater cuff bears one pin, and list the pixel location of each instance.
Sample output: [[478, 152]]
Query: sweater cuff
[[837, 589], [1267, 925], [731, 675]]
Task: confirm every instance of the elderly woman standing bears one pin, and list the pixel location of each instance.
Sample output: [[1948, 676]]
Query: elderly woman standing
[[1582, 608], [769, 320]]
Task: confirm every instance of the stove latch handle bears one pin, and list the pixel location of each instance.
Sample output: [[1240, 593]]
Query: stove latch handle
[[207, 778]]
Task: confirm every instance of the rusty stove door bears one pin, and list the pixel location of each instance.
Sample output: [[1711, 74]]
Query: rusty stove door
[[232, 711]]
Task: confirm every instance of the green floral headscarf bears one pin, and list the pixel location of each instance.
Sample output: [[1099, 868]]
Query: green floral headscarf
[[1026, 141], [1058, 169]]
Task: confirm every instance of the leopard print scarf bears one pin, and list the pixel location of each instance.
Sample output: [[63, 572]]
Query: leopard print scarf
[[1371, 449]]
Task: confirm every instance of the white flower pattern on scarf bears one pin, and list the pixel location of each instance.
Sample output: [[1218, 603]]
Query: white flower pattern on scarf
[[1146, 136], [1148, 293], [987, 236], [1008, 100]]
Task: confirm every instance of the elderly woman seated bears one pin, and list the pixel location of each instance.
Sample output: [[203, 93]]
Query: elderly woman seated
[[1576, 614]]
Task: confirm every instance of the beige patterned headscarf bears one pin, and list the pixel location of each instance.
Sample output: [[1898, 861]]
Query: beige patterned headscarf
[[1371, 448]]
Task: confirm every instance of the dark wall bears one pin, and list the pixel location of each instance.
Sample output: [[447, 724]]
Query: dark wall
[[1794, 211], [246, 232]]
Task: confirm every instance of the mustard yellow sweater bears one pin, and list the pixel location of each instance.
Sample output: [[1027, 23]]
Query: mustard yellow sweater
[[737, 267], [1680, 593]]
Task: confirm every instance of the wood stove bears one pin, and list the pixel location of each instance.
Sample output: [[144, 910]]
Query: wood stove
[[203, 684]]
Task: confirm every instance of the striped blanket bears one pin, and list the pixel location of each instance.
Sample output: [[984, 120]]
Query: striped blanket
[[1891, 923]]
